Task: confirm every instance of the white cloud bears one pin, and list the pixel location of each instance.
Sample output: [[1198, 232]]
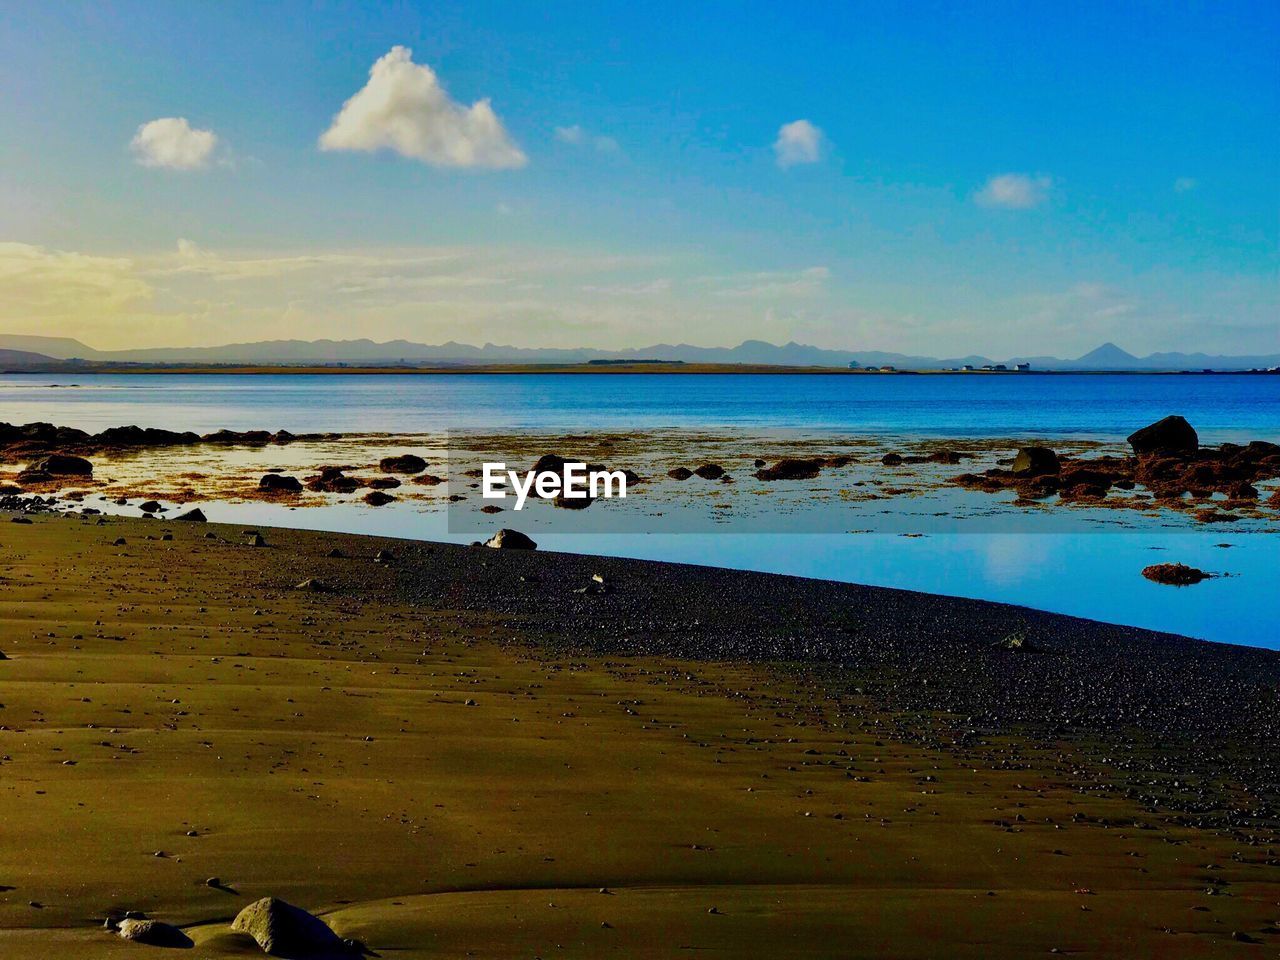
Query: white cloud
[[1015, 191], [404, 108], [1185, 184], [809, 282], [647, 288], [578, 137], [798, 142], [172, 143]]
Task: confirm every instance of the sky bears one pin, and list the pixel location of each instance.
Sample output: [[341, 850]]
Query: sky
[[939, 179]]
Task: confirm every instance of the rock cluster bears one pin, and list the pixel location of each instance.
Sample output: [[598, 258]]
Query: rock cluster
[[1167, 460], [27, 441]]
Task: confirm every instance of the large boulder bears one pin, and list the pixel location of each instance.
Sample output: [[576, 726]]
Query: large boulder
[[510, 540], [283, 930], [193, 516], [1172, 434], [64, 465], [1035, 462], [406, 463], [153, 933]]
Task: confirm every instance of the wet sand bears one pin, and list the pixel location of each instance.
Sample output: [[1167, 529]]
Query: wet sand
[[451, 753]]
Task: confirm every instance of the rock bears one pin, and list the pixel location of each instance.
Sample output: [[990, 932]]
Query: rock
[[19, 519], [510, 540], [376, 498], [709, 471], [312, 585], [383, 483], [193, 516], [280, 483], [1170, 434], [892, 459], [154, 933], [151, 506], [383, 556], [791, 468], [332, 480], [405, 463], [1175, 574], [284, 930], [680, 473], [1035, 462], [549, 463], [64, 465], [257, 541]]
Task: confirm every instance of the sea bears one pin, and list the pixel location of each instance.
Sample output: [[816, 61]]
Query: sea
[[1093, 573]]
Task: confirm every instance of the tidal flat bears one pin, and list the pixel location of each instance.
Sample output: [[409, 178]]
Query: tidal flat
[[450, 751]]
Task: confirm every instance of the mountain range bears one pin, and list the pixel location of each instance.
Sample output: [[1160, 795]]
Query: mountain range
[[18, 351]]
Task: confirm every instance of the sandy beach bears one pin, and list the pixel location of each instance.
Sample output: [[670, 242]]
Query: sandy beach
[[460, 751]]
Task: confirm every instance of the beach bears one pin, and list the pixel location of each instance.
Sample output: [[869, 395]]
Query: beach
[[450, 751]]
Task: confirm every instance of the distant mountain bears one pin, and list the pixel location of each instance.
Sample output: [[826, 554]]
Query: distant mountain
[[23, 359], [365, 351], [60, 348], [1108, 357]]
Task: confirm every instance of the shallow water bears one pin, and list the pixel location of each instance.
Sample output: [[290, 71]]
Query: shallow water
[[1094, 574]]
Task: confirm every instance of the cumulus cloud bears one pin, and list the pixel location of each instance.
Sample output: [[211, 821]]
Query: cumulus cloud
[[172, 143], [404, 108], [578, 137], [798, 142], [1015, 191]]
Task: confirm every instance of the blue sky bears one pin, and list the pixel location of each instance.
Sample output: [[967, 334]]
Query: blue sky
[[1007, 178]]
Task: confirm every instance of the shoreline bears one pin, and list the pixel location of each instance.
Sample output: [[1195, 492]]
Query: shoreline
[[400, 747]]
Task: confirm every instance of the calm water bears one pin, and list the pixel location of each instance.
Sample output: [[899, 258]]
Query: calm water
[[1094, 575], [1220, 407]]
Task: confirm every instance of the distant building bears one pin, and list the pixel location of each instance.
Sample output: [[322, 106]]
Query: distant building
[[853, 365], [1022, 367], [968, 367], [999, 366]]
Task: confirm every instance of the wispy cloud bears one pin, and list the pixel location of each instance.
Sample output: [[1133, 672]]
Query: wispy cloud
[[404, 108], [798, 142], [647, 288], [576, 136], [1185, 184], [767, 284], [172, 143], [1015, 191]]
